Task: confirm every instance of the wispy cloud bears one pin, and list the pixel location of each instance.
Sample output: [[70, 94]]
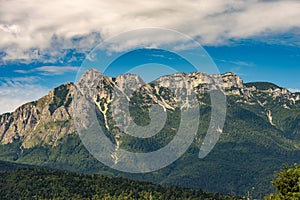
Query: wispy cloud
[[31, 29], [49, 70], [242, 63], [56, 70], [238, 63], [21, 80], [294, 90]]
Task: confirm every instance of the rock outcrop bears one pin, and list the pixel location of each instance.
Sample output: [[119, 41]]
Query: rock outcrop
[[49, 119]]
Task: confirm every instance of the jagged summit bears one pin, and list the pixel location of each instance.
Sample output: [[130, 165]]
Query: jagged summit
[[33, 121], [123, 79], [261, 128], [198, 77], [91, 72]]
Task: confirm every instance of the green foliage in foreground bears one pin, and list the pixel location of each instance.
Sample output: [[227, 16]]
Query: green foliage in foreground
[[33, 183], [287, 183]]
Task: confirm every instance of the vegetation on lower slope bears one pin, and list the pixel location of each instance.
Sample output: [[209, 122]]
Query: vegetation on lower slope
[[10, 166], [262, 85], [249, 151], [287, 183], [261, 132], [34, 183]]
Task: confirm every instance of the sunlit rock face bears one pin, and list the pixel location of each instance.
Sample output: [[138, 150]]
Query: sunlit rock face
[[50, 118]]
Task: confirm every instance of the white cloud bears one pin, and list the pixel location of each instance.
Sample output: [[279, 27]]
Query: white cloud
[[33, 24], [49, 70], [56, 70], [14, 29], [17, 91]]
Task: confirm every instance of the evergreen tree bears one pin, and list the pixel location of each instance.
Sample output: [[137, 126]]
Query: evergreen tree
[[287, 183]]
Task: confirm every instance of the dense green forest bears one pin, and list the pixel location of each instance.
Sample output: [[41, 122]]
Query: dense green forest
[[26, 182]]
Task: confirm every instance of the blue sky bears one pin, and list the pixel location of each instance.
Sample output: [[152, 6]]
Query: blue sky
[[254, 61], [42, 45]]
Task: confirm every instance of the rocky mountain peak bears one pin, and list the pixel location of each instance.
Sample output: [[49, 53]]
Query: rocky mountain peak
[[91, 74], [48, 119], [129, 82], [231, 80], [37, 122]]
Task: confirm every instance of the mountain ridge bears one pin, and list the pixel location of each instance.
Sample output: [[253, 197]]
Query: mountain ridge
[[261, 132], [55, 106]]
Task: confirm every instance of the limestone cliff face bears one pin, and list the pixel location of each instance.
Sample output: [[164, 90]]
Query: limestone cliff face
[[41, 122], [50, 118]]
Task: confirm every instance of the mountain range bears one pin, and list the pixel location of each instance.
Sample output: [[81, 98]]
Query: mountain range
[[260, 134]]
